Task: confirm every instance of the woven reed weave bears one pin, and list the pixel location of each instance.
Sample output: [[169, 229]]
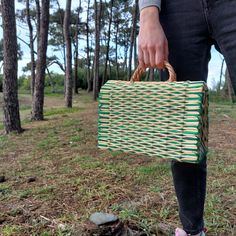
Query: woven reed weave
[[162, 119]]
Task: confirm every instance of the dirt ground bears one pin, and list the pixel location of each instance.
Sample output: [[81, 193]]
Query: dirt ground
[[56, 177]]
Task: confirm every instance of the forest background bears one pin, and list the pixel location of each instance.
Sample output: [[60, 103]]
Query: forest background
[[52, 176]]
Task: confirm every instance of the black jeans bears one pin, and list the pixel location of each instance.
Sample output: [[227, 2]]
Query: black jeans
[[191, 28]]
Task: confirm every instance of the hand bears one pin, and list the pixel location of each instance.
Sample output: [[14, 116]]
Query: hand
[[152, 42]]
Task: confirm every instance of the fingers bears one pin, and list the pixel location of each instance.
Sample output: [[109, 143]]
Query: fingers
[[166, 51], [153, 57], [146, 57], [141, 58], [159, 59], [152, 47]]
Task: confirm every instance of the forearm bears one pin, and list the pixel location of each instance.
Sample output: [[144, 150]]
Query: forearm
[[147, 3], [153, 45]]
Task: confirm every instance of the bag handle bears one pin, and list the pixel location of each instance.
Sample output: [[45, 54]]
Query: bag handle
[[139, 71]]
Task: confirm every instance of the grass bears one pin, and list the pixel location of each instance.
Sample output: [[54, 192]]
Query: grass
[[75, 179]]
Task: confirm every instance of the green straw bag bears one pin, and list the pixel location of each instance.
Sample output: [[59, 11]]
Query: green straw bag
[[161, 119]]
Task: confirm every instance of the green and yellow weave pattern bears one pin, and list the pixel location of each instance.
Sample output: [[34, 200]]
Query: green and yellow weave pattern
[[166, 120]]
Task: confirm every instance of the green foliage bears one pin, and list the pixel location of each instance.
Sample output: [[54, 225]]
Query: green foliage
[[24, 83], [54, 79], [82, 82], [19, 52], [217, 97]]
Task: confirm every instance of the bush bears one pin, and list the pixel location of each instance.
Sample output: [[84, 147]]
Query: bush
[[24, 82], [82, 79], [54, 80]]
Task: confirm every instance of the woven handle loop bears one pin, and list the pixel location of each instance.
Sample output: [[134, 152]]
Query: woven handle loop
[[139, 71]]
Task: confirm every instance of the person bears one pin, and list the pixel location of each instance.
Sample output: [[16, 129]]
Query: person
[[182, 32]]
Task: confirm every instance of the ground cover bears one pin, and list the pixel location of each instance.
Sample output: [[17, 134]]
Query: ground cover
[[56, 177]]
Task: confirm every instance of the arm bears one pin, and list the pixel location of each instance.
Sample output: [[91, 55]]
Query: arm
[[153, 45]]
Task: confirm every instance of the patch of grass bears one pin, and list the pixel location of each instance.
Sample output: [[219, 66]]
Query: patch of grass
[[5, 190], [3, 141], [25, 107], [83, 159], [215, 97], [10, 230], [25, 194], [75, 180], [45, 233], [50, 142], [129, 214], [155, 189], [60, 111], [219, 112], [155, 169], [165, 212], [75, 139], [116, 153], [72, 122], [45, 190]]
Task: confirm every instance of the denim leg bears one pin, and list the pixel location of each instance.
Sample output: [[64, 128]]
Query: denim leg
[[190, 185], [188, 38], [189, 43], [222, 19]]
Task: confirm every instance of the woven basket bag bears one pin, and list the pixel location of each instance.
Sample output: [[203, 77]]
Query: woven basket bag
[[160, 119]]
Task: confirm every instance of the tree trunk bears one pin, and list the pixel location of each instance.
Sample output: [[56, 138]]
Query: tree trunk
[[76, 79], [135, 40], [228, 89], [69, 81], [221, 75], [89, 81], [63, 46], [116, 49], [97, 49], [108, 43], [38, 99], [126, 49], [133, 37], [38, 13], [31, 47], [10, 97]]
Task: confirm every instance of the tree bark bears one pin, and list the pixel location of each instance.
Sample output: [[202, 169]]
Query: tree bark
[[228, 89], [76, 55], [31, 44], [10, 97], [108, 43], [221, 74], [38, 13], [69, 81], [126, 49], [89, 81], [135, 37], [62, 31], [97, 49], [132, 37], [116, 49], [38, 99]]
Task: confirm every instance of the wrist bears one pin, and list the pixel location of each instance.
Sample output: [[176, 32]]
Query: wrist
[[149, 15]]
